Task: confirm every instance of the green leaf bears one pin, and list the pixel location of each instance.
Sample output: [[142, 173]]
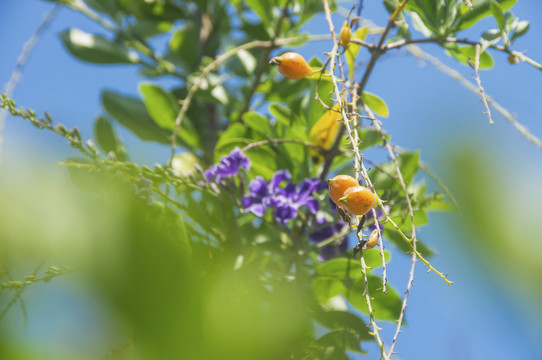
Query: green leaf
[[340, 339], [325, 288], [353, 50], [160, 105], [377, 104], [385, 306], [109, 7], [370, 138], [284, 115], [521, 29], [498, 14], [263, 8], [392, 235], [107, 139], [257, 122], [340, 268], [480, 10], [96, 48], [132, 114], [464, 53], [489, 38], [163, 109], [337, 320], [150, 28], [184, 47], [236, 133]]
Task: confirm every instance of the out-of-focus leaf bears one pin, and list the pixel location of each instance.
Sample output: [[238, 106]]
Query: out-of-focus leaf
[[184, 47], [521, 29], [96, 48], [377, 104], [132, 114], [109, 7], [107, 139], [480, 9], [369, 138], [341, 339], [84, 177], [464, 53], [353, 50], [385, 306], [257, 122], [163, 109], [392, 235], [150, 28], [498, 14], [234, 131], [336, 320], [489, 38], [340, 268], [160, 105], [327, 287], [263, 8]]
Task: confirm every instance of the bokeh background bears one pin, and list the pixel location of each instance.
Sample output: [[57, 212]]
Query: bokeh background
[[490, 248]]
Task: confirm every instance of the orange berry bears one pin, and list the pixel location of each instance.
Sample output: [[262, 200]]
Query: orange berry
[[292, 65], [346, 34], [358, 200], [373, 239], [338, 185]]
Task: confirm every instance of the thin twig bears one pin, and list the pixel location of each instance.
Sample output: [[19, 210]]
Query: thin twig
[[21, 61], [479, 82], [419, 53], [380, 48], [357, 164], [391, 153]]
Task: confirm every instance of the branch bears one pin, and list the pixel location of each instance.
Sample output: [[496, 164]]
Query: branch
[[479, 82], [416, 51], [21, 61]]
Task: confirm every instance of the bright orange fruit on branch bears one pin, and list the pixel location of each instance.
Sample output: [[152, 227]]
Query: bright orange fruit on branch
[[358, 200], [292, 65], [338, 186]]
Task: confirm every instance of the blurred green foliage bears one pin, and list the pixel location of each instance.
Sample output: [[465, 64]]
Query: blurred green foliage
[[185, 268]]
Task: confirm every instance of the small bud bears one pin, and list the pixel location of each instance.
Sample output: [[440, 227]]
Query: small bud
[[513, 59], [373, 239], [346, 34]]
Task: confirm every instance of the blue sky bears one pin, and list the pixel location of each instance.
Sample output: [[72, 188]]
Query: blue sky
[[478, 317]]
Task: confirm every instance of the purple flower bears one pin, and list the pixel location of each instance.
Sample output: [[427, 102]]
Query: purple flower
[[286, 200], [228, 166]]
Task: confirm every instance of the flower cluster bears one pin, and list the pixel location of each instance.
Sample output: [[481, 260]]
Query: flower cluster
[[228, 166], [286, 200]]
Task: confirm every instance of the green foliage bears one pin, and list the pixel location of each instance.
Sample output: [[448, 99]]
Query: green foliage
[[212, 278]]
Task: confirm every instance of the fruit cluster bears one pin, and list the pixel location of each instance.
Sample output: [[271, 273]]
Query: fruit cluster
[[348, 194]]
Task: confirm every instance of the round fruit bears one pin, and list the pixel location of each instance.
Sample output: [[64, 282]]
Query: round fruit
[[346, 34], [373, 239], [292, 65], [358, 200], [338, 185]]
